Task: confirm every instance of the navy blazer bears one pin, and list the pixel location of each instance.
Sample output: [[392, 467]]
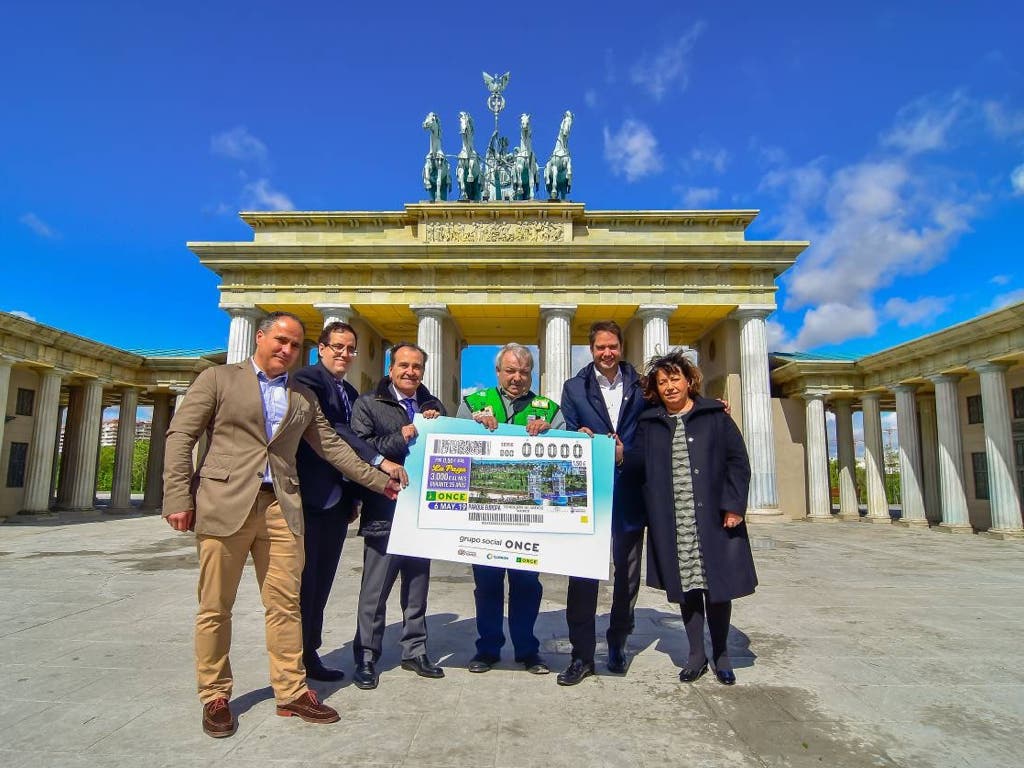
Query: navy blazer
[[583, 406], [317, 478]]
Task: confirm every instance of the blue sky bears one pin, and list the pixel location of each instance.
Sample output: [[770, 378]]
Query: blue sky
[[889, 134]]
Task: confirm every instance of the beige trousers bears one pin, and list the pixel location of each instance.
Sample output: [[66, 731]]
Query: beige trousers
[[278, 556]]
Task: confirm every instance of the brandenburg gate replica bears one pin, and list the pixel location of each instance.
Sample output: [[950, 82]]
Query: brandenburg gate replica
[[500, 265]]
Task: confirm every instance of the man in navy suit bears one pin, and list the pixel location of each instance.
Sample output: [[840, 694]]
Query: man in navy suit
[[605, 398], [329, 499]]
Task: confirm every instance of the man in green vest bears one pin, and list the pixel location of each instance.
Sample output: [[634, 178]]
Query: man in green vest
[[511, 402]]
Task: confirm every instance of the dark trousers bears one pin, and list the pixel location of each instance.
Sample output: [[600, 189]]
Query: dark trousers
[[380, 570], [694, 607], [323, 541], [524, 594], [581, 598]]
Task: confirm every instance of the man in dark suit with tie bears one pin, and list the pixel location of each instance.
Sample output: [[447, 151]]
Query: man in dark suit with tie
[[329, 499], [605, 398]]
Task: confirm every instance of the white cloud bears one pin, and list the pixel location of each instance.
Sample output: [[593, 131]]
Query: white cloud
[[925, 124], [669, 67], [260, 195], [834, 322], [716, 158], [590, 98], [779, 339], [239, 144], [39, 226], [1017, 179], [1000, 279], [921, 311], [632, 151], [1001, 121], [697, 197], [1006, 299], [22, 314]]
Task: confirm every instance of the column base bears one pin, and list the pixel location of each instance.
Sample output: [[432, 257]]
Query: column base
[[878, 520], [853, 517], [915, 523], [820, 519], [1003, 534], [954, 528], [765, 515], [129, 510]]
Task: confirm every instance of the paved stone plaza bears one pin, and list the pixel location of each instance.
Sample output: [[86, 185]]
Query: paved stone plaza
[[864, 646]]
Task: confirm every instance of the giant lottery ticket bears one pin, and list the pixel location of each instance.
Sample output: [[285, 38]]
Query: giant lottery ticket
[[505, 498]]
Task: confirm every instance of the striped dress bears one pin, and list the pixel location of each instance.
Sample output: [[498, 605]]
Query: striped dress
[[691, 565]]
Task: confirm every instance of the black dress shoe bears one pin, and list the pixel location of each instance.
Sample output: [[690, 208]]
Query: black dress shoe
[[617, 659], [315, 670], [575, 672], [726, 676], [481, 663], [365, 676], [688, 675], [535, 665], [421, 666]]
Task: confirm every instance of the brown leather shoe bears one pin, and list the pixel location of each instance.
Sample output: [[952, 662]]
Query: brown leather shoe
[[308, 707], [217, 719]]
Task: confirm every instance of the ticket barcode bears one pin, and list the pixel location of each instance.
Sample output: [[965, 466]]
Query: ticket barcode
[[450, 447], [519, 518]]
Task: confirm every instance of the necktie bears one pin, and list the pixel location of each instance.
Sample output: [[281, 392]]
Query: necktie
[[410, 407], [346, 404]]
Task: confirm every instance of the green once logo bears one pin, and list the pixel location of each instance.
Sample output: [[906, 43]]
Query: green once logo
[[431, 495]]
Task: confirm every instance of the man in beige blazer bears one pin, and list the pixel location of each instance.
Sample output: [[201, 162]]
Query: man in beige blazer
[[243, 499]]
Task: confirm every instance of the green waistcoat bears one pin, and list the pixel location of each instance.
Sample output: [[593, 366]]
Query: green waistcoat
[[490, 400]]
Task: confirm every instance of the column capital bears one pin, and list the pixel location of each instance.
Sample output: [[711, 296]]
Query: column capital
[[329, 310], [558, 310], [871, 396], [6, 361], [243, 310], [946, 378], [430, 310], [988, 366], [814, 394], [911, 388], [664, 311], [752, 311]]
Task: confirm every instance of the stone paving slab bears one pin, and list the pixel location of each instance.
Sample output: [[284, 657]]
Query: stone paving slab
[[865, 645]]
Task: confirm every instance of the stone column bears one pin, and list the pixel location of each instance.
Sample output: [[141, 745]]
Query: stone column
[[39, 472], [430, 336], [68, 455], [5, 391], [874, 460], [930, 458], [951, 456], [911, 489], [756, 400], [819, 502], [157, 441], [556, 348], [124, 452], [335, 313], [1003, 494], [83, 488], [245, 319], [655, 320], [849, 507]]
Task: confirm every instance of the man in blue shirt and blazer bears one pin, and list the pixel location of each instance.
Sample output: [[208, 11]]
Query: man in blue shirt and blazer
[[605, 398]]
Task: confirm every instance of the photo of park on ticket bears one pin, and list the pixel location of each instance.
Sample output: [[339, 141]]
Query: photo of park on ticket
[[506, 498], [507, 483]]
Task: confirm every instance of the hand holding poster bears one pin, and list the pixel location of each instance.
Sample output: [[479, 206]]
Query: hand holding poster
[[504, 498]]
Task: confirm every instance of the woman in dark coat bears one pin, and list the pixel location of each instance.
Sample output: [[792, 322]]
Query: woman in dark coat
[[690, 459]]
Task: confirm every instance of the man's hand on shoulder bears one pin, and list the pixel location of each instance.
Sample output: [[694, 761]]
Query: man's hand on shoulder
[[396, 471], [182, 521]]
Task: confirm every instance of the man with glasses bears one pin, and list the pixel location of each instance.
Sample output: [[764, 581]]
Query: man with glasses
[[329, 500]]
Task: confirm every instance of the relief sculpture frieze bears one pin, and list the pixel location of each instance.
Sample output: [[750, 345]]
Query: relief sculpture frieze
[[494, 232]]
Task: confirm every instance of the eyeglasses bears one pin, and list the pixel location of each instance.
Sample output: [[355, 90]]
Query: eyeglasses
[[341, 349]]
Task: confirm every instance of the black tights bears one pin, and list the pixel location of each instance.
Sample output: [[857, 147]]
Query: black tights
[[694, 606]]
